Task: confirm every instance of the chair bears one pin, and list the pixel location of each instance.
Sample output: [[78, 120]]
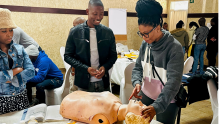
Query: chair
[[213, 91], [188, 65], [126, 86], [55, 96], [110, 73]]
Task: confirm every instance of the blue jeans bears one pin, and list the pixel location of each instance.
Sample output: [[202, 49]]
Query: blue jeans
[[40, 87], [198, 56], [184, 50]]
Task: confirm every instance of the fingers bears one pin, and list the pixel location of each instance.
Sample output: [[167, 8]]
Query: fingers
[[131, 96]]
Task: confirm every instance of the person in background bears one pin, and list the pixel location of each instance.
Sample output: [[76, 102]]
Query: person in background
[[161, 50], [47, 75], [181, 35], [165, 26], [15, 68], [77, 21], [212, 42], [192, 28], [91, 50], [200, 45], [22, 38]]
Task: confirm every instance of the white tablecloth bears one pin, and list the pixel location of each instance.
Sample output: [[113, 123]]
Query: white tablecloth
[[119, 68], [15, 117]]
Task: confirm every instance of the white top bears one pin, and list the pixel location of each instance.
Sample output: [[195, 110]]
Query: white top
[[94, 55]]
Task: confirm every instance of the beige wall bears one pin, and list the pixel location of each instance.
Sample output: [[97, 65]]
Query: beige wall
[[51, 30]]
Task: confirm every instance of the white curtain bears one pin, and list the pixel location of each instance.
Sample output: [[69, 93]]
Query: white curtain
[[175, 17]]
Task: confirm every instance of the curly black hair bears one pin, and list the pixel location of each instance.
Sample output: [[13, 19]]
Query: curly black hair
[[149, 13]]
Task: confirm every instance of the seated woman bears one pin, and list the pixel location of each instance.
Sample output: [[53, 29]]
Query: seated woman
[[15, 68], [101, 108]]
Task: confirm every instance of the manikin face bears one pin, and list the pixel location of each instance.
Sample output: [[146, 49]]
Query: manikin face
[[95, 15], [6, 35], [152, 36]]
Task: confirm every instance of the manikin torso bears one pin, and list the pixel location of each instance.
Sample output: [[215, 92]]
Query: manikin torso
[[97, 108]]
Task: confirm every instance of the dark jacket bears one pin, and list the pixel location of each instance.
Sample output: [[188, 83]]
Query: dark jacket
[[182, 36], [212, 46], [77, 52], [45, 69]]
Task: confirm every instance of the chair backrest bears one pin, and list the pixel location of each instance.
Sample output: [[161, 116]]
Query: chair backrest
[[188, 65], [212, 88], [62, 51], [110, 73], [128, 73], [66, 83]]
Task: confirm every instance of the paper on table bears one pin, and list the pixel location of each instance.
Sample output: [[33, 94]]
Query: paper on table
[[38, 111], [53, 113]]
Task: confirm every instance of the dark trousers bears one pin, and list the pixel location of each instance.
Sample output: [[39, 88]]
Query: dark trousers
[[168, 116], [211, 56], [97, 86], [40, 87], [192, 51]]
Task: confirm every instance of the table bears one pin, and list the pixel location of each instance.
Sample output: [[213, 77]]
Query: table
[[119, 68], [15, 117]]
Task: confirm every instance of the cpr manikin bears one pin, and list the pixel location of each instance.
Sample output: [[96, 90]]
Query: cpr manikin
[[100, 108]]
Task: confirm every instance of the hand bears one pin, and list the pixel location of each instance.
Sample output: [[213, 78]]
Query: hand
[[101, 72], [92, 71], [148, 111], [17, 70], [135, 92], [213, 39]]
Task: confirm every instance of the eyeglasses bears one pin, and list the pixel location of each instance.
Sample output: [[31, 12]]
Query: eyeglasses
[[146, 35]]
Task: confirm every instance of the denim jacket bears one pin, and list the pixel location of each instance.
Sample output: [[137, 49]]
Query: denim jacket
[[18, 82]]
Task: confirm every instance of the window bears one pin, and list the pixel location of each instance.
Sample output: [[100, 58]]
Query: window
[[179, 5]]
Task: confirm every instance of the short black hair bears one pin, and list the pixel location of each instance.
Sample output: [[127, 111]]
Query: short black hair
[[149, 12], [215, 20], [193, 24], [164, 23], [202, 21], [180, 24], [96, 3]]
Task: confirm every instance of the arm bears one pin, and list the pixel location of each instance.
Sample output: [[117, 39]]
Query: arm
[[43, 67], [112, 54], [28, 67], [171, 88], [70, 52], [186, 40]]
